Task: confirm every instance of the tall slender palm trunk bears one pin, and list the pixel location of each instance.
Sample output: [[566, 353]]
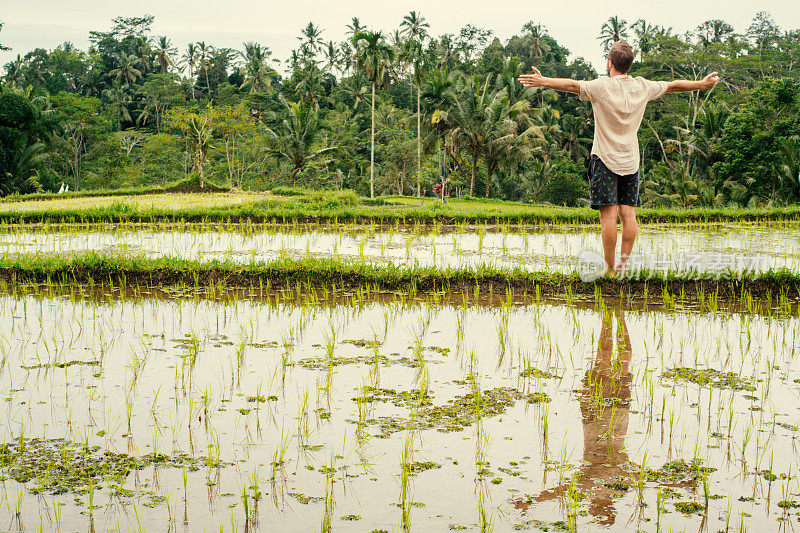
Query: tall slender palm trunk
[[419, 140], [474, 171], [372, 149]]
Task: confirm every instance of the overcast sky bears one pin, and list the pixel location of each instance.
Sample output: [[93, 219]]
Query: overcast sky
[[30, 24]]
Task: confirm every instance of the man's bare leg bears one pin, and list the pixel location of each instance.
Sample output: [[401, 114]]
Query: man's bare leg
[[608, 232], [629, 230]]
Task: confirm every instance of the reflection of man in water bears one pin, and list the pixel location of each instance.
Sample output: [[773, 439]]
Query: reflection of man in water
[[605, 402]]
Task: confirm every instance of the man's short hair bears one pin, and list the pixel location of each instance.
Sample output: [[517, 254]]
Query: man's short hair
[[621, 56]]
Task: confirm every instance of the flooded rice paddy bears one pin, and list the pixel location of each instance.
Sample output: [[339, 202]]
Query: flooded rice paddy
[[554, 248], [393, 414]]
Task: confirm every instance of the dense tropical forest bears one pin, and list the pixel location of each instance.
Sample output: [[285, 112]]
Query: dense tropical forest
[[404, 112]]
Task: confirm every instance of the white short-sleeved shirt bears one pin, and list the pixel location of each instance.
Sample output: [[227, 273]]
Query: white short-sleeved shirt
[[618, 103]]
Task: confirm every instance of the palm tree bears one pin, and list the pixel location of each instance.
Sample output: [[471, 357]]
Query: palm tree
[[789, 168], [713, 31], [354, 27], [296, 142], [507, 79], [142, 46], [355, 87], [414, 26], [468, 110], [446, 52], [164, 54], [437, 92], [126, 71], [413, 54], [346, 58], [645, 33], [535, 181], [118, 99], [536, 34], [506, 127], [333, 56], [190, 60], [704, 143], [574, 140], [374, 57], [257, 73], [614, 29], [14, 73], [204, 61], [24, 158], [672, 184], [310, 84], [311, 39]]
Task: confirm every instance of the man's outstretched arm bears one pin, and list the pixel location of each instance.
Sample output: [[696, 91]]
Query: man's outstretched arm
[[684, 86], [559, 84]]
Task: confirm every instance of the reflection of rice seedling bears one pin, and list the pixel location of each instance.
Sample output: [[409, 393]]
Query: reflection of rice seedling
[[279, 457], [545, 424], [641, 478], [485, 521], [185, 496], [660, 509], [241, 348], [167, 496], [406, 458], [572, 504], [327, 517], [303, 431], [192, 349], [502, 331], [745, 441]]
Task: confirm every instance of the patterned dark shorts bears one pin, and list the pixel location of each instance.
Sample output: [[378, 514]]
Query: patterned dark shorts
[[607, 188]]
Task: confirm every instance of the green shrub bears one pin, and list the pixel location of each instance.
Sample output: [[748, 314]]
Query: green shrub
[[567, 185], [290, 191], [331, 199], [192, 184]]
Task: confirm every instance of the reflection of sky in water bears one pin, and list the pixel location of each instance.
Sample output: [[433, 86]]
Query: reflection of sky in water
[[715, 247], [606, 410]]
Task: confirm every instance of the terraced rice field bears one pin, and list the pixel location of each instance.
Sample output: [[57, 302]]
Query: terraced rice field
[[318, 405], [535, 248]]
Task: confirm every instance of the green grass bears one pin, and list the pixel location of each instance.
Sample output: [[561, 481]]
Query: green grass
[[93, 268], [185, 185], [299, 205]]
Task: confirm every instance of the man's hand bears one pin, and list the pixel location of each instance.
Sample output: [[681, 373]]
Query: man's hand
[[710, 81], [532, 80], [559, 84], [683, 86]]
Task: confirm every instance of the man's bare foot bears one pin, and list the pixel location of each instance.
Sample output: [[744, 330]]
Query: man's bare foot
[[620, 270]]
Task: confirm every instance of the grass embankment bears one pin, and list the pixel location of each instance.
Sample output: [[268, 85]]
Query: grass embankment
[[187, 185], [335, 207], [300, 274]]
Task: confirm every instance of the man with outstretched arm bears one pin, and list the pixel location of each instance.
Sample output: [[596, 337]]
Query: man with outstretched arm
[[618, 101]]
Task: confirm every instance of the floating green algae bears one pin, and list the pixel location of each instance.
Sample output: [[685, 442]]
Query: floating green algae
[[66, 364], [709, 378], [679, 471], [533, 372], [421, 466], [688, 507], [59, 466], [302, 498], [457, 414]]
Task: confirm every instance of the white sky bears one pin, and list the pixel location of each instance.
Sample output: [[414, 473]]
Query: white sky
[[47, 23]]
